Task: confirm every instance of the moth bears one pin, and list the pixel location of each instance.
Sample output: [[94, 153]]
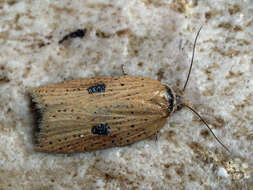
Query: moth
[[96, 113]]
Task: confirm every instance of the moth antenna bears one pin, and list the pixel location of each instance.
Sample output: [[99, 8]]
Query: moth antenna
[[207, 126], [193, 52]]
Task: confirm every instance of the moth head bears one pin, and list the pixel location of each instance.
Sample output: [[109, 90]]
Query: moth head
[[179, 102], [175, 100]]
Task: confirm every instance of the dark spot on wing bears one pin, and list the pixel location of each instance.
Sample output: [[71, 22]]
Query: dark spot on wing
[[102, 129], [97, 88]]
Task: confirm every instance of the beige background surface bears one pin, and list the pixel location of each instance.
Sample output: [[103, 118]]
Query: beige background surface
[[152, 38]]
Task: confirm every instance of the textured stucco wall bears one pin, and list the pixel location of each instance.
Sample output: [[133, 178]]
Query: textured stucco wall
[[152, 38]]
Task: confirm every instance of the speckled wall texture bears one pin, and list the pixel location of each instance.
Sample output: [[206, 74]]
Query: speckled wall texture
[[152, 38]]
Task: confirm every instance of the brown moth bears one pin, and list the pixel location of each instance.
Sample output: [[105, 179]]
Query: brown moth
[[97, 113]]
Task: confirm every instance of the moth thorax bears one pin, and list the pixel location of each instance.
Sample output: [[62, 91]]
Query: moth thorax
[[172, 99]]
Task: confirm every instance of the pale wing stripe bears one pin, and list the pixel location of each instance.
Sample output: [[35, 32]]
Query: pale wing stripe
[[125, 115]]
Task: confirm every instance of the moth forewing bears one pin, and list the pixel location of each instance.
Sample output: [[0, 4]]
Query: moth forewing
[[96, 113]]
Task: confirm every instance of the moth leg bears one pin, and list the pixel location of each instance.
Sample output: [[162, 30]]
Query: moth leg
[[155, 136], [123, 69]]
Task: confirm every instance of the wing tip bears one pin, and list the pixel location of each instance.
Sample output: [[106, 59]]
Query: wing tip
[[38, 111]]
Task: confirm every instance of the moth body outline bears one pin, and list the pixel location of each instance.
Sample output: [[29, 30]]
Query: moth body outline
[[131, 109]]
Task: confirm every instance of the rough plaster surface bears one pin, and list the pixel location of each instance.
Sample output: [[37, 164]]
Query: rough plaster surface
[[152, 38]]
